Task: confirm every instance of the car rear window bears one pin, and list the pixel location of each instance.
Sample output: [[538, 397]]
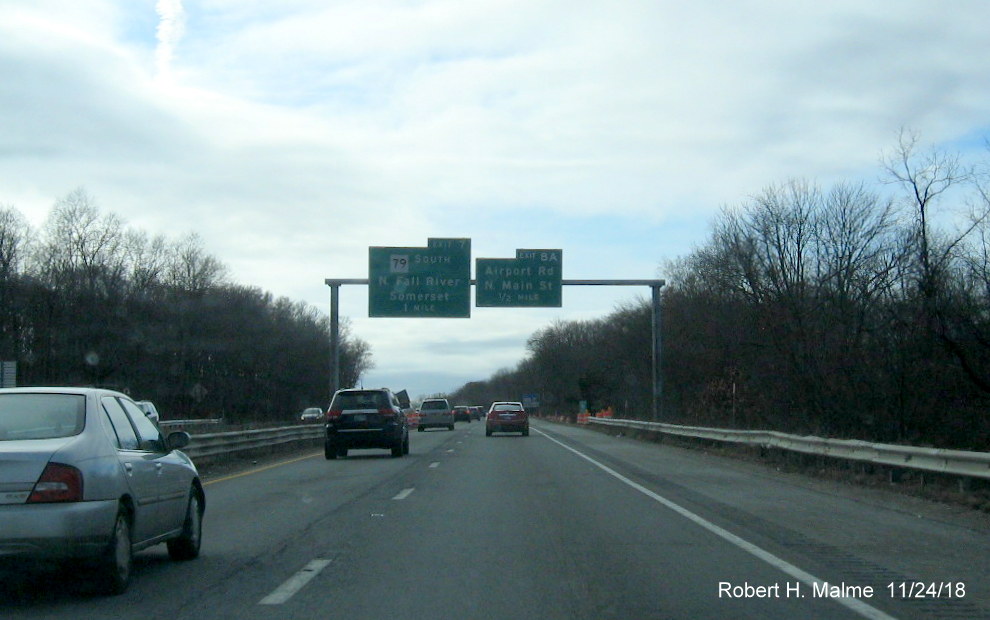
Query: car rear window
[[41, 416], [508, 408], [432, 405], [359, 400]]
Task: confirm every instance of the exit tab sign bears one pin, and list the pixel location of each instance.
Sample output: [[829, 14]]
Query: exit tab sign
[[430, 282], [530, 280]]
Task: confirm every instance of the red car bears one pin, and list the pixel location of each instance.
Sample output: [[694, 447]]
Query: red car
[[506, 417]]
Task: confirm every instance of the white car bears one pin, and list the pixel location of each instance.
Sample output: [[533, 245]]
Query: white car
[[85, 474], [435, 413], [312, 415]]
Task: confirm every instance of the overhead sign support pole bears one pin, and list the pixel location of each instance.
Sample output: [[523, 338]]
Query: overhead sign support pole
[[657, 348], [657, 342], [335, 329], [334, 339]]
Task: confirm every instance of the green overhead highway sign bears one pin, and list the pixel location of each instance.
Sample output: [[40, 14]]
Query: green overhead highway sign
[[530, 280], [430, 282]]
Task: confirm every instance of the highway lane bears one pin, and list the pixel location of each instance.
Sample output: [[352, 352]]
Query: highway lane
[[566, 523]]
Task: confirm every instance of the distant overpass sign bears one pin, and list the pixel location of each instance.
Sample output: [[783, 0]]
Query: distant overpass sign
[[530, 280], [413, 282]]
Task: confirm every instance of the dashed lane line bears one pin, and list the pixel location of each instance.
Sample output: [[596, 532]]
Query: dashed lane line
[[295, 583], [404, 493]]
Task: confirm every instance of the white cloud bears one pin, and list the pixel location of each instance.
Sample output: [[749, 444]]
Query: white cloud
[[171, 27]]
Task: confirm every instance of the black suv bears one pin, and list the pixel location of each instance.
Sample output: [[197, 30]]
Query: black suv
[[366, 419]]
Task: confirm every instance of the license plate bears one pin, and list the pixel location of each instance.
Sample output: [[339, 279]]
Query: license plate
[[359, 417]]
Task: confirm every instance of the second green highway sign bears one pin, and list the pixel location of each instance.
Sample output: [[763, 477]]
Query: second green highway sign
[[530, 280]]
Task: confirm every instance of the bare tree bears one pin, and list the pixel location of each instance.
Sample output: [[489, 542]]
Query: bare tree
[[147, 259], [927, 178], [192, 268], [82, 248], [14, 234]]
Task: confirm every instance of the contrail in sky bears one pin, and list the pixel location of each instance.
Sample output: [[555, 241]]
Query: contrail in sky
[[171, 25]]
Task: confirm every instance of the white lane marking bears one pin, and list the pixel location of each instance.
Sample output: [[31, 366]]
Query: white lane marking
[[434, 464], [404, 493], [295, 583], [853, 604]]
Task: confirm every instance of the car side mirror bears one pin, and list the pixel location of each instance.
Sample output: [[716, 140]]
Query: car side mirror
[[178, 440]]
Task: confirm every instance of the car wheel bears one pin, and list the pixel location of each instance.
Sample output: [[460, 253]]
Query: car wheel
[[186, 546], [488, 433], [397, 450], [342, 453], [420, 429], [450, 428], [525, 433], [117, 561], [329, 451], [405, 445]]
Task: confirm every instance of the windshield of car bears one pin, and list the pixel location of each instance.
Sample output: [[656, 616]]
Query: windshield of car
[[41, 416], [359, 400]]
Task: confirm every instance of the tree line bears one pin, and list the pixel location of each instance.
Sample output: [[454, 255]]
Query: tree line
[[86, 300], [845, 311]]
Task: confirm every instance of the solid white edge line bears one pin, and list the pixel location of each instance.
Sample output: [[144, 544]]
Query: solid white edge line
[[295, 583], [853, 604], [404, 493]]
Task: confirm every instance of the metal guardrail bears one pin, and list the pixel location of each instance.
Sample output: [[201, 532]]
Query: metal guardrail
[[184, 423], [213, 444], [952, 462]]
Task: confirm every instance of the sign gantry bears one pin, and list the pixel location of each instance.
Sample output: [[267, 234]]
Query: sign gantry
[[435, 282]]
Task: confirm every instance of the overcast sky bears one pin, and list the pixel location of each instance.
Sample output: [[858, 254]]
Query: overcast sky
[[293, 135]]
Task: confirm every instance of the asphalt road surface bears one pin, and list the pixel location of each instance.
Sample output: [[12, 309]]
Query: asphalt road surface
[[566, 523]]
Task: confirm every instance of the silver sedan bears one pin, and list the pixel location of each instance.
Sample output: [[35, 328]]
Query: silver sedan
[[85, 474]]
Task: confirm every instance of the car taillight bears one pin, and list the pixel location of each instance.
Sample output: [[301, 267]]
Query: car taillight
[[58, 483], [386, 413], [334, 414]]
